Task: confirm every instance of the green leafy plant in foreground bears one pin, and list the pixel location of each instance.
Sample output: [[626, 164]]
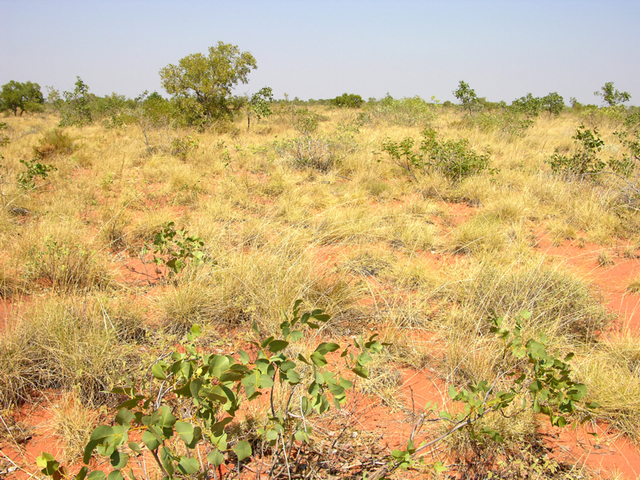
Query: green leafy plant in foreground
[[540, 382], [34, 169], [192, 398], [181, 420]]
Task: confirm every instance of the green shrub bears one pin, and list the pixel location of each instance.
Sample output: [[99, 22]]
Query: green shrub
[[585, 161], [453, 159], [348, 100]]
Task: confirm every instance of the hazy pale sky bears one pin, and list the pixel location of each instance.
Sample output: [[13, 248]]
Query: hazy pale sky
[[323, 48]]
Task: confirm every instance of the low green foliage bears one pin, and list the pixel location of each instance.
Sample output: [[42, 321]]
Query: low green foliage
[[540, 382], [176, 248], [33, 170], [182, 147], [586, 161], [193, 398], [453, 159]]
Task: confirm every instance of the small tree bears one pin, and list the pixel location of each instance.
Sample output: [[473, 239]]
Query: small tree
[[467, 96], [528, 105], [26, 97], [76, 109], [611, 95], [553, 103], [202, 85], [260, 105]]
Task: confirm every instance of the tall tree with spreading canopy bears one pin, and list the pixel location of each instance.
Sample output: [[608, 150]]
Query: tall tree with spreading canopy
[[202, 85], [25, 97]]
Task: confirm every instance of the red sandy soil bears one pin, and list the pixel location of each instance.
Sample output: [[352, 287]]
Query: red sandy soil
[[611, 280]]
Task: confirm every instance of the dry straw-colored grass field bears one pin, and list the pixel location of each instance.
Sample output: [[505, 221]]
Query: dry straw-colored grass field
[[324, 214]]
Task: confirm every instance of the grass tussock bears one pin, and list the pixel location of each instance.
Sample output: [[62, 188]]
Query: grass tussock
[[68, 345]]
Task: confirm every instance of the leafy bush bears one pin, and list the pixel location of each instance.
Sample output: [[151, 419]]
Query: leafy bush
[[202, 85], [65, 267], [348, 100], [205, 391], [76, 109], [26, 179], [408, 111], [585, 161], [260, 105], [467, 97], [454, 159], [196, 396], [25, 97], [176, 248]]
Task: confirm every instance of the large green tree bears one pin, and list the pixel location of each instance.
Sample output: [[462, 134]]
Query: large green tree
[[25, 97], [202, 85]]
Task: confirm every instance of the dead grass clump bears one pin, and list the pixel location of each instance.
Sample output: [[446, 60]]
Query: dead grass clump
[[61, 344], [54, 143], [562, 306], [73, 424], [611, 373], [66, 267]]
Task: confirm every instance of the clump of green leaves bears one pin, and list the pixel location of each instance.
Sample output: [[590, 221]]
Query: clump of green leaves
[[33, 170], [467, 97], [347, 100], [76, 109], [182, 147], [176, 248], [540, 381], [586, 160], [260, 105], [611, 95], [193, 396], [453, 159]]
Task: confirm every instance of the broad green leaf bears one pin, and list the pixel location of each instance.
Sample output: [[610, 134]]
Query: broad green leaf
[[185, 430], [318, 359], [124, 417], [158, 371], [360, 371], [325, 348], [82, 474], [88, 451], [96, 475], [188, 465], [220, 365], [278, 345], [118, 460], [163, 417], [101, 432], [150, 440], [135, 447], [243, 450], [215, 457]]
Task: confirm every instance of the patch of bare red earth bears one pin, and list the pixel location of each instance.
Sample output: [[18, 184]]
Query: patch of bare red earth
[[609, 452]]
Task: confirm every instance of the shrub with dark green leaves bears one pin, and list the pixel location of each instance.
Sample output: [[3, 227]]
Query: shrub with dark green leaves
[[348, 100]]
